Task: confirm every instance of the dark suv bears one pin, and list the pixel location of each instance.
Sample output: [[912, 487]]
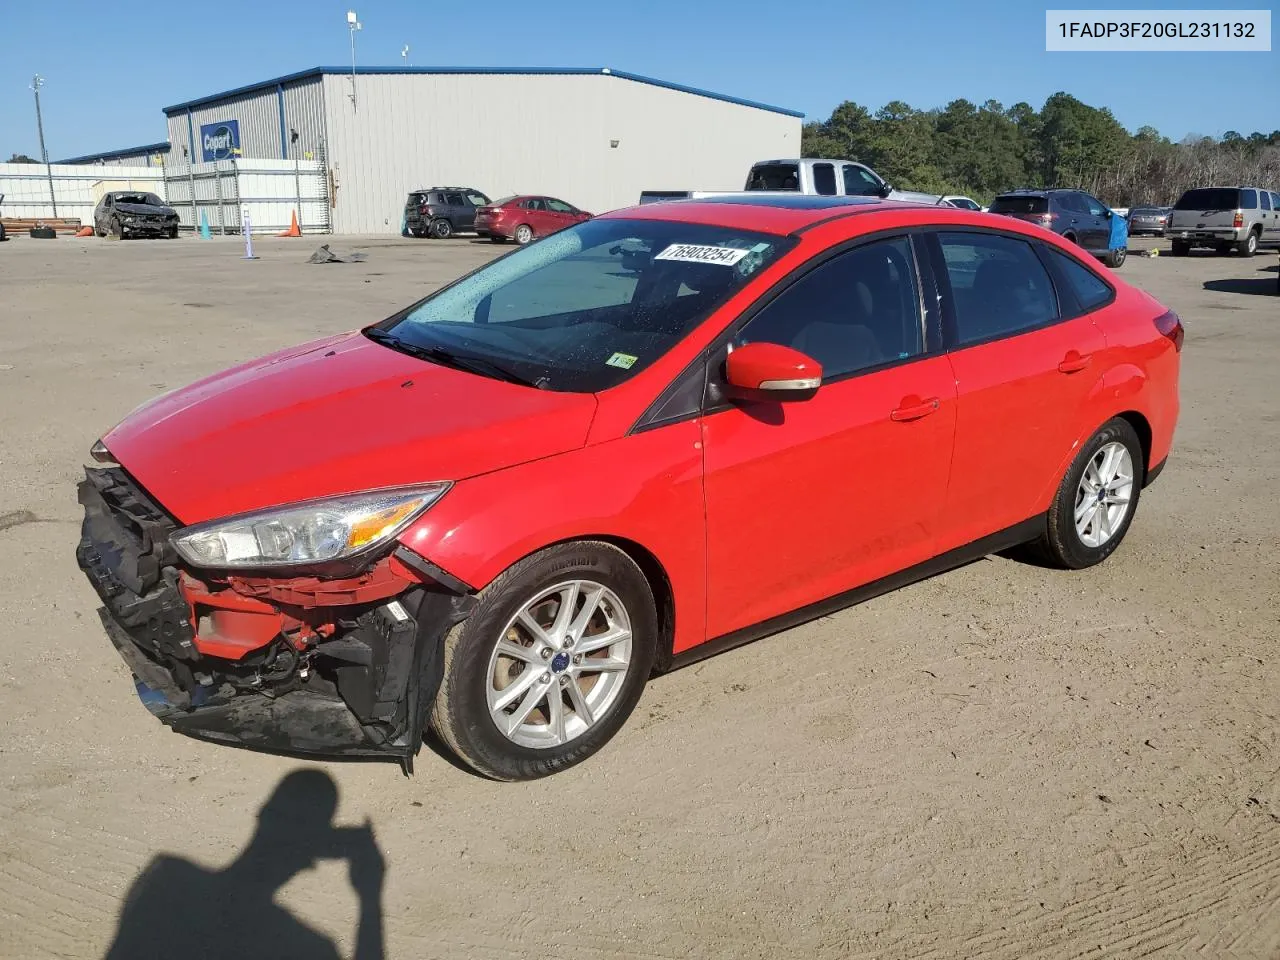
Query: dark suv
[[1078, 216], [442, 211]]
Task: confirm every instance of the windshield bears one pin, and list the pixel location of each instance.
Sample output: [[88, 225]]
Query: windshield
[[587, 307], [774, 176], [149, 199], [1019, 204], [1209, 198]]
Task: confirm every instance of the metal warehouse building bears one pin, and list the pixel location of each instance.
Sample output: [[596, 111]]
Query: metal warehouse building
[[592, 136]]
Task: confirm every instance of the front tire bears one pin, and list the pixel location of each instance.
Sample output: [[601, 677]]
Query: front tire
[[550, 664], [1181, 248], [1096, 500], [117, 230], [1115, 258]]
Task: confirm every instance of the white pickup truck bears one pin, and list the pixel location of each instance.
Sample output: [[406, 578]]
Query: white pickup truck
[[828, 178]]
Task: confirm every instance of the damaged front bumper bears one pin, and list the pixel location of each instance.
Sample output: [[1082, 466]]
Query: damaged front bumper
[[341, 666]]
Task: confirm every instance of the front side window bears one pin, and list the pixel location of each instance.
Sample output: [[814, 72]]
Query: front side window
[[859, 181], [998, 286], [585, 308], [861, 309], [477, 199], [559, 206], [1093, 205], [1089, 289], [453, 199], [824, 179]]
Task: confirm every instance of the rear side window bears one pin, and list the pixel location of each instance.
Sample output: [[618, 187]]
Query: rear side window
[[858, 310], [1266, 199], [999, 287], [824, 179], [1209, 198], [1249, 199], [1090, 292], [1019, 204]]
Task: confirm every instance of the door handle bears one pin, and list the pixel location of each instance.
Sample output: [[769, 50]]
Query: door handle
[[913, 408], [1074, 361]]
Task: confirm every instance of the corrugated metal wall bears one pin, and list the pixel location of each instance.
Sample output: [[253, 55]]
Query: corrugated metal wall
[[259, 116], [533, 133], [129, 160], [304, 112]]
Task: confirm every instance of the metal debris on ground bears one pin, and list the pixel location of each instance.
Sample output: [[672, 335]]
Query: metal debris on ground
[[324, 255]]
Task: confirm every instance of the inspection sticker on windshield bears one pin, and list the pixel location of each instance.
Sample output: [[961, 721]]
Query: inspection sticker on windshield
[[624, 360], [694, 253]]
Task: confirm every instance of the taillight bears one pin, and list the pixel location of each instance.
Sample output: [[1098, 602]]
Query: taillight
[[1170, 325], [1239, 220]]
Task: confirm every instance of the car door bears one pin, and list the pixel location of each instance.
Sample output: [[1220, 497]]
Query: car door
[[1099, 224], [810, 498], [1268, 216], [461, 214], [560, 214], [1023, 367]]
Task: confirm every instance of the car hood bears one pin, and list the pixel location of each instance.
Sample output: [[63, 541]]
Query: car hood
[[338, 415], [143, 209]]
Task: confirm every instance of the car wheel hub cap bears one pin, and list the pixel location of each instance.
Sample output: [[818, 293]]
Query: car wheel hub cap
[[1105, 494], [559, 665]]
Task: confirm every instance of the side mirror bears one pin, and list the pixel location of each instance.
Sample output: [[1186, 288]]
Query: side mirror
[[1109, 213], [885, 190], [770, 371]]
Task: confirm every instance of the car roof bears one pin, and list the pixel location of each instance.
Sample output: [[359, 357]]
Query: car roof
[[784, 214]]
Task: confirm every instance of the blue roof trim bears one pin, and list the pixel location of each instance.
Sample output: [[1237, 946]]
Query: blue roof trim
[[149, 148], [563, 71]]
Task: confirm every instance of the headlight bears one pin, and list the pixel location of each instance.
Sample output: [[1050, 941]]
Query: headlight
[[129, 219], [311, 532]]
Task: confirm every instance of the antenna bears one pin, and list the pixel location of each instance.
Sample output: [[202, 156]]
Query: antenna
[[353, 24]]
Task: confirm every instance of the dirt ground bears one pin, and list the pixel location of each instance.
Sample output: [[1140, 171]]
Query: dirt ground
[[1003, 761]]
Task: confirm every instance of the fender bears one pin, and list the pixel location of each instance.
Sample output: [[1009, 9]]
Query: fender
[[1121, 389], [485, 524]]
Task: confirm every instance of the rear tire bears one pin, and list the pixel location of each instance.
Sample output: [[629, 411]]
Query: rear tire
[[524, 234], [1249, 245], [1085, 523], [1181, 248], [441, 229], [117, 229], [477, 672]]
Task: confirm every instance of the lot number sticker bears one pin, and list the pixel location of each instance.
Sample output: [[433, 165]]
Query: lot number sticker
[[694, 253], [624, 360]]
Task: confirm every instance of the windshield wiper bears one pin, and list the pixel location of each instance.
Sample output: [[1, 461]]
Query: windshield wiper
[[447, 358]]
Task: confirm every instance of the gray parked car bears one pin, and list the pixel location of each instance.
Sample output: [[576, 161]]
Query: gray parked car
[[1152, 220], [129, 213], [1225, 218]]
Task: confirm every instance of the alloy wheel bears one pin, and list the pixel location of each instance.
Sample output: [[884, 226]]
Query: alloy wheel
[[1104, 495], [559, 664]]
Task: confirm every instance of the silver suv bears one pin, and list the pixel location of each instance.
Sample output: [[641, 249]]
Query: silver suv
[[1225, 218]]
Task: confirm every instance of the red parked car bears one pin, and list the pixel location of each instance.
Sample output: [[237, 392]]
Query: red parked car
[[524, 219], [661, 433]]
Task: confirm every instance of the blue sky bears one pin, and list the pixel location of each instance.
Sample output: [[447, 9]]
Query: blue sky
[[808, 55]]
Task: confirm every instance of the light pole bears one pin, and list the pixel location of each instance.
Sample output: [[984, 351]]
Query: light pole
[[404, 54], [353, 25], [36, 83]]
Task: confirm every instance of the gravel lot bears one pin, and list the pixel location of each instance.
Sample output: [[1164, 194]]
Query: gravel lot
[[1003, 761]]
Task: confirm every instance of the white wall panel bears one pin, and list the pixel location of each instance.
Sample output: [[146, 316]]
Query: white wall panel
[[533, 133]]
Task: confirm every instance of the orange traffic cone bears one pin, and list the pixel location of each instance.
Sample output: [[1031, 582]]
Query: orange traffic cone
[[85, 232], [293, 230]]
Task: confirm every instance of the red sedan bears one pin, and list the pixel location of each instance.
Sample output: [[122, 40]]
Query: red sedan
[[656, 435], [524, 219]]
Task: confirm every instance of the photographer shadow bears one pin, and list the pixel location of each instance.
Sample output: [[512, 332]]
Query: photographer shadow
[[178, 908]]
